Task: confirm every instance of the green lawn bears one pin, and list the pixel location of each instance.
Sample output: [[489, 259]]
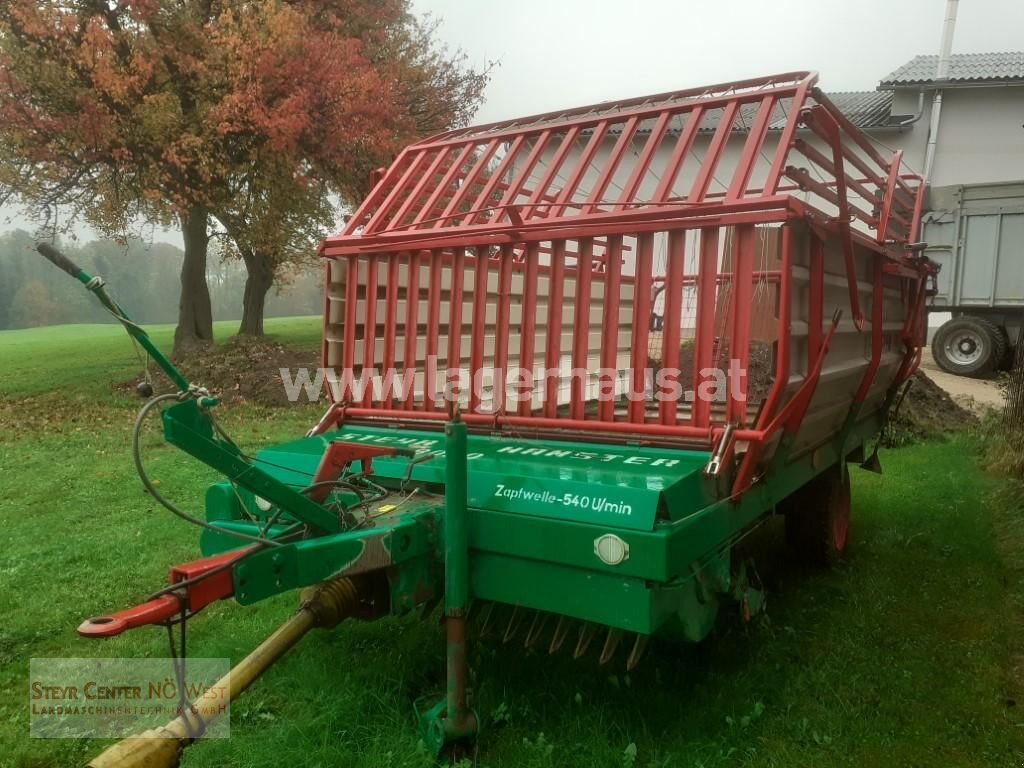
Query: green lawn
[[900, 657]]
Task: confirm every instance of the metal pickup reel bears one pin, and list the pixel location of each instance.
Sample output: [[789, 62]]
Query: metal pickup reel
[[539, 630]]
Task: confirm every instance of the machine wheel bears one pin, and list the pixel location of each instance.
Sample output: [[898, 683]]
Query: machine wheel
[[969, 346], [818, 518]]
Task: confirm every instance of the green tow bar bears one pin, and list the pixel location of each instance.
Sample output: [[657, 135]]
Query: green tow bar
[[95, 286], [451, 720], [187, 426]]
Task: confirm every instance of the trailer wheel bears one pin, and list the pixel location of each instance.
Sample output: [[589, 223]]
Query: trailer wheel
[[969, 346], [818, 518]]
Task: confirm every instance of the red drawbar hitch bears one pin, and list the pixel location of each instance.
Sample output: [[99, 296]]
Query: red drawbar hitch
[[209, 579], [197, 590]]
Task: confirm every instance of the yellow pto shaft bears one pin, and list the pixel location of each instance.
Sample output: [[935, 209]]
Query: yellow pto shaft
[[324, 605]]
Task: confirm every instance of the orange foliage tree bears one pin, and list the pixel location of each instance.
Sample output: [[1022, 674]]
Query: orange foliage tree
[[248, 118]]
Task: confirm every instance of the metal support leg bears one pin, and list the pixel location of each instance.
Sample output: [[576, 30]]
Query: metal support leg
[[451, 719]]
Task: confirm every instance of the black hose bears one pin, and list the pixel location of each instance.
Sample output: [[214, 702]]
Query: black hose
[[148, 484]]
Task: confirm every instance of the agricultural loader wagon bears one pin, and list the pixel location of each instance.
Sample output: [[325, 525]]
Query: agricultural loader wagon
[[574, 359]]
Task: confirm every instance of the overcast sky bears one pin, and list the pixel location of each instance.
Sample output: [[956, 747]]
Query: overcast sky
[[563, 53]]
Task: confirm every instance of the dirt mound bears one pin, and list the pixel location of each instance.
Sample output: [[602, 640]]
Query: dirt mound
[[760, 368], [240, 370], [926, 411]]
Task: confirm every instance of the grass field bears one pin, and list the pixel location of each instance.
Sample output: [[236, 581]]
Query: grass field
[[902, 656]]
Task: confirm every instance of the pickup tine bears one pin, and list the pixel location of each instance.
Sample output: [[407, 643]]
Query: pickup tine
[[558, 638], [587, 631], [611, 643], [515, 620], [536, 629], [637, 653]]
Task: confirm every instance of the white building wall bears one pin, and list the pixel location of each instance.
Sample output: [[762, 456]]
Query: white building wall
[[981, 134]]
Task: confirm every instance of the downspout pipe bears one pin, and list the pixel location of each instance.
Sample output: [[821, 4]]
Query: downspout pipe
[[941, 76]]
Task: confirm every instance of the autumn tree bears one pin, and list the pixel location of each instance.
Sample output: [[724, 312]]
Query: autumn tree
[[257, 115], [103, 109], [322, 94]]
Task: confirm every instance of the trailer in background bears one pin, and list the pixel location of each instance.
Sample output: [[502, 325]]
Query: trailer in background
[[976, 234]]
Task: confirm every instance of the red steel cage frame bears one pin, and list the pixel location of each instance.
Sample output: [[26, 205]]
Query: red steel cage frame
[[531, 198]]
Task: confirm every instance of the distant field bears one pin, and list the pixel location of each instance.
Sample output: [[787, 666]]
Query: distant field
[[80, 357], [901, 657]]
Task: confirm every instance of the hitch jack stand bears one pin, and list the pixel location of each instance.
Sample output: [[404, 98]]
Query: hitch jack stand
[[451, 720]]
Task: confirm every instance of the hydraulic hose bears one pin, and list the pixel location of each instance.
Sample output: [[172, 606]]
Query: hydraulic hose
[[140, 420]]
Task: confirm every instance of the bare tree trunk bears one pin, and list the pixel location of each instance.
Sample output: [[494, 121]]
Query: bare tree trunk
[[258, 282], [195, 314]]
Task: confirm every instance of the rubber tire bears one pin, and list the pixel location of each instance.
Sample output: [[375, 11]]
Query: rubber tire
[[1000, 343], [818, 518], [990, 333], [1005, 362]]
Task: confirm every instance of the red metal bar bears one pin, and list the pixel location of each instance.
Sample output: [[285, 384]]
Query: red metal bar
[[412, 320], [820, 122], [654, 218], [482, 203], [516, 185], [771, 182], [540, 192], [497, 420], [414, 195], [433, 330], [338, 455], [704, 343], [348, 347], [528, 326], [201, 582], [470, 181], [553, 332], [501, 334], [831, 125], [670, 331], [822, 189], [819, 159], [325, 328], [739, 345], [745, 473], [390, 313], [711, 96], [480, 301], [455, 314], [675, 161], [378, 193], [643, 162], [784, 335], [713, 153], [382, 217], [611, 164], [443, 186], [581, 167], [369, 329], [848, 128], [581, 332], [751, 149], [792, 414], [639, 359], [610, 323]]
